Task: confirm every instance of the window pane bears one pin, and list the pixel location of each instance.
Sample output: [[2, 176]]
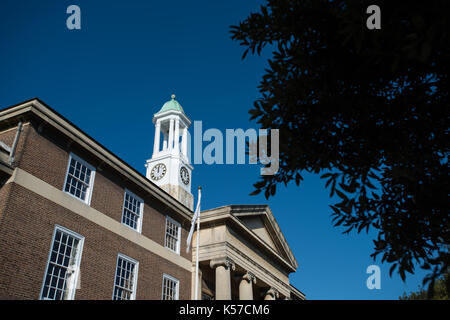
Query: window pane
[[124, 282], [131, 213], [56, 282], [78, 179], [170, 289], [172, 231]]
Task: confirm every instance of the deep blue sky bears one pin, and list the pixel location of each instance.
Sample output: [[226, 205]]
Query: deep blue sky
[[129, 57]]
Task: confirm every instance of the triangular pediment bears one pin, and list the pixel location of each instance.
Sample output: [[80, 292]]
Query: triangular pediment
[[256, 224], [260, 220]]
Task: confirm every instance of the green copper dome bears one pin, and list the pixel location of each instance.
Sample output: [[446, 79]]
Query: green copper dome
[[171, 105]]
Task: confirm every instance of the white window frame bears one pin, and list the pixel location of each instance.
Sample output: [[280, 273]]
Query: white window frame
[[73, 285], [177, 251], [136, 272], [177, 286], [141, 211], [91, 181]]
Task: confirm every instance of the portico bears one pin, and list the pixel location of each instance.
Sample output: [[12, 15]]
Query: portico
[[244, 256]]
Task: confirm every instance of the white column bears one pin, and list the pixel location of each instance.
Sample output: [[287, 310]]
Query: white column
[[271, 294], [223, 268], [171, 135], [165, 142], [157, 137], [246, 286], [177, 136], [184, 142]]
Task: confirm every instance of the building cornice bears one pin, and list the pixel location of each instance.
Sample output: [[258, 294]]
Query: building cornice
[[169, 113], [224, 215], [238, 210]]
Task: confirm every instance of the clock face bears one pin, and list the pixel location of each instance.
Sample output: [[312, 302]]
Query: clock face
[[158, 171], [184, 174]]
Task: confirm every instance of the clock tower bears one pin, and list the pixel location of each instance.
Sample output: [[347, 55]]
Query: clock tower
[[169, 167]]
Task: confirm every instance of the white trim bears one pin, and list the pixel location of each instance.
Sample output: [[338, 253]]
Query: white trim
[[91, 180], [177, 251], [171, 114], [141, 210], [80, 239], [177, 291], [136, 270]]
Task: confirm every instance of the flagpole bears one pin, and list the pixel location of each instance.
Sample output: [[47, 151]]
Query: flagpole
[[197, 249]]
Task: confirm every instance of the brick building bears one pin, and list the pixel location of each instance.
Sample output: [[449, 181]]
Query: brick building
[[57, 183], [77, 222]]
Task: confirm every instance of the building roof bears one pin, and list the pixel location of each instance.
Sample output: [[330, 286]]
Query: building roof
[[171, 105], [296, 294], [271, 239]]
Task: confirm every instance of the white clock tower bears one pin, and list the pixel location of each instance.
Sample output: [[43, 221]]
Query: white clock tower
[[169, 167]]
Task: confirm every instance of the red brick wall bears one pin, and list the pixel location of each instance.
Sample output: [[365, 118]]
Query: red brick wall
[[42, 158], [27, 223], [46, 156], [8, 136]]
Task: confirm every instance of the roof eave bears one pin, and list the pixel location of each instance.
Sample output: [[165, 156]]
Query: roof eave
[[182, 115], [265, 210], [224, 214]]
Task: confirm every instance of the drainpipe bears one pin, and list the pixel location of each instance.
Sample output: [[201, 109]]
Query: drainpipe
[[14, 146]]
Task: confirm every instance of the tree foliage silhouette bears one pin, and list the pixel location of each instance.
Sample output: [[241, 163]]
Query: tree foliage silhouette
[[369, 110], [439, 292]]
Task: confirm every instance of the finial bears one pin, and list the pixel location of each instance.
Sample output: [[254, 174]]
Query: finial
[[173, 97]]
